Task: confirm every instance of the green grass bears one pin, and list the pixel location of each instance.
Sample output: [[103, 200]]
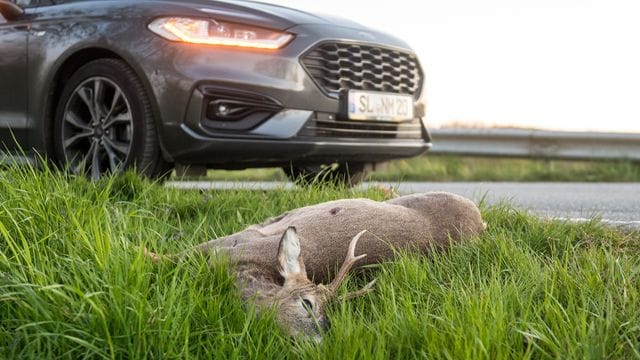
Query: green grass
[[74, 283], [456, 168], [460, 168]]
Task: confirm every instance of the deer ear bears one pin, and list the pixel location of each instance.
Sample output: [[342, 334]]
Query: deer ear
[[289, 258]]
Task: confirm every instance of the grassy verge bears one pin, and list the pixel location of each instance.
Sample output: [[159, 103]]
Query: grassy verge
[[460, 168], [74, 283]]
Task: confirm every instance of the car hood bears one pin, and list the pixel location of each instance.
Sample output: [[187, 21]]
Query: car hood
[[270, 15]]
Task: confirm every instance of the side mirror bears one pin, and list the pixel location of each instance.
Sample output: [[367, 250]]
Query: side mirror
[[9, 10]]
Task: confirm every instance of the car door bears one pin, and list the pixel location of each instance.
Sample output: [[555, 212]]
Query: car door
[[13, 83]]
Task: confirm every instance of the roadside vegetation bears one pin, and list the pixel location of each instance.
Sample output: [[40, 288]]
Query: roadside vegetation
[[466, 168], [74, 282]]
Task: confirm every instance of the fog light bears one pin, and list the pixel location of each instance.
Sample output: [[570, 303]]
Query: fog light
[[235, 110], [223, 110]]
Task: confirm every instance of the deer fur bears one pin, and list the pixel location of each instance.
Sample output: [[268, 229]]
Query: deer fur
[[283, 261]]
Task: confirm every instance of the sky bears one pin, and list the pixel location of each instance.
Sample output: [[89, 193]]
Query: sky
[[548, 64]]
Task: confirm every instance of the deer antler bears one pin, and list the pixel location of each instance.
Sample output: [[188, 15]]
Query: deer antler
[[347, 264], [365, 290]]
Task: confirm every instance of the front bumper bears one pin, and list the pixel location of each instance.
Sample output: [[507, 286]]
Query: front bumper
[[236, 153]]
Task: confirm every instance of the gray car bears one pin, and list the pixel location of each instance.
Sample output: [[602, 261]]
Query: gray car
[[102, 86]]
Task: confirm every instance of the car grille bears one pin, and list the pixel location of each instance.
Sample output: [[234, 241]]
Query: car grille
[[323, 125], [343, 66]]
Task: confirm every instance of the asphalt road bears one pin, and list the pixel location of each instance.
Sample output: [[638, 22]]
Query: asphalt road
[[615, 203]]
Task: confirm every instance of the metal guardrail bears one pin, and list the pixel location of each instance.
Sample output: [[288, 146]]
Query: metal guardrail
[[536, 143]]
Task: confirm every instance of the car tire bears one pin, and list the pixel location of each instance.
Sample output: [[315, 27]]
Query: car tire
[[340, 174], [104, 123]]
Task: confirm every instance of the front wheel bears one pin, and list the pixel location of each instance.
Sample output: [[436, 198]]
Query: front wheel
[[104, 123], [349, 174]]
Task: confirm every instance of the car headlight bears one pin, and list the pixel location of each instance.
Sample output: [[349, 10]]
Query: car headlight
[[211, 32]]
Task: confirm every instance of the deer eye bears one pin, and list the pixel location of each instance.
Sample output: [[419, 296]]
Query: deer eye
[[307, 304]]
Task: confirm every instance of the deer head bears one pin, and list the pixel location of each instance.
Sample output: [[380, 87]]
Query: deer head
[[300, 304]]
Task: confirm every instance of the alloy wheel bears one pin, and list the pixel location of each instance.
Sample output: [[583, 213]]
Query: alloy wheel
[[97, 129]]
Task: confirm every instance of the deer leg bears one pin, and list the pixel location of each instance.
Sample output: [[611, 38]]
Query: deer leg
[[251, 234], [271, 220]]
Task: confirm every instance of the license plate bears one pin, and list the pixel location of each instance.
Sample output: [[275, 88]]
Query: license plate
[[367, 105]]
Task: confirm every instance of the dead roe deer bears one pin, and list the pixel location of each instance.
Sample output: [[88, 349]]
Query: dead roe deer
[[282, 262]]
